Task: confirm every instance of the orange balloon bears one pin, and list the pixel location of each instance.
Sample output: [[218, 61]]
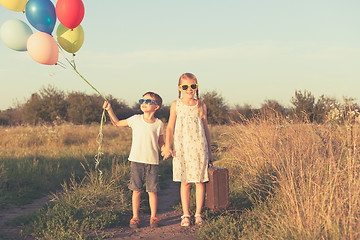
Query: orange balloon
[[43, 48]]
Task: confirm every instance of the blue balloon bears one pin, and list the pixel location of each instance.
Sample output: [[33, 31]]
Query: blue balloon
[[41, 15]]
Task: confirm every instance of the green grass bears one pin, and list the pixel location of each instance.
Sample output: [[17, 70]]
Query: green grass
[[83, 209], [86, 208], [30, 177]]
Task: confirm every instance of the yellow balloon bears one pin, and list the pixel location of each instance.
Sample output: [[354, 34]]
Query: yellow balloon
[[14, 5], [70, 40]]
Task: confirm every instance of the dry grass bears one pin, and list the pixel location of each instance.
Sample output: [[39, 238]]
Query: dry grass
[[68, 139], [303, 179], [36, 160]]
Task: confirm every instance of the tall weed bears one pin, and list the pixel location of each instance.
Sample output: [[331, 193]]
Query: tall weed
[[301, 179]]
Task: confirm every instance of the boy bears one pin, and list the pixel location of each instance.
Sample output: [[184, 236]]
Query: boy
[[147, 137]]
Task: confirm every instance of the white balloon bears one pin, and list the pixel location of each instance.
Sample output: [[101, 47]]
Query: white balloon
[[15, 33]]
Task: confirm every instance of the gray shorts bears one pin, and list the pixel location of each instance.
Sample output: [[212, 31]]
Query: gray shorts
[[140, 170]]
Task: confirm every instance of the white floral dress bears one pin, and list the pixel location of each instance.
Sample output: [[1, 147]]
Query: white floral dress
[[191, 156]]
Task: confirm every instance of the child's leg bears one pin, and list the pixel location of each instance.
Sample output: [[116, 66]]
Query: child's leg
[[136, 182], [200, 195], [185, 197], [136, 203], [152, 186], [153, 203]]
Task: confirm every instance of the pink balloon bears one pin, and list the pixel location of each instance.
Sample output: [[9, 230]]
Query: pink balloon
[[70, 12], [43, 48]]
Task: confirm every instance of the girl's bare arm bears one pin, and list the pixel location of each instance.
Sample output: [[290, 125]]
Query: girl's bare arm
[[207, 132]]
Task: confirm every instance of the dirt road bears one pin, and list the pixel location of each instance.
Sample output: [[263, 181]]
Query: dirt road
[[169, 218], [13, 233], [170, 228]]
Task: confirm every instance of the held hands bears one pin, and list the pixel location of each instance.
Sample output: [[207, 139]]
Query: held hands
[[166, 152]]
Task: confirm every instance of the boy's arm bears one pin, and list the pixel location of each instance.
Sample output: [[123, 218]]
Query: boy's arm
[[115, 121], [161, 141]]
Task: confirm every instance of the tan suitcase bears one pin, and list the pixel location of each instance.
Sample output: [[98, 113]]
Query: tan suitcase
[[217, 188]]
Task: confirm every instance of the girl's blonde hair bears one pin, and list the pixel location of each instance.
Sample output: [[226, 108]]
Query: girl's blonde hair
[[191, 76]]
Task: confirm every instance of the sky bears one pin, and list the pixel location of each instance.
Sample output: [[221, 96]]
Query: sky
[[246, 51]]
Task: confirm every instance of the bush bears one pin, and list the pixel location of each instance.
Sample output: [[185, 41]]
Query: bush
[[217, 110]]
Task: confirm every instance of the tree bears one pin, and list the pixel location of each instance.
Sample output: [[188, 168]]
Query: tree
[[322, 107], [217, 110], [84, 109], [242, 113], [120, 108], [4, 118], [273, 106], [163, 113], [48, 105], [11, 116], [303, 105]]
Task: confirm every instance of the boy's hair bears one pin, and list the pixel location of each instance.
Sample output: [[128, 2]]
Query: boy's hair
[[156, 96]]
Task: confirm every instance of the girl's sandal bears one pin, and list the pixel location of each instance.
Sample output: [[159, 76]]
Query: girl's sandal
[[185, 220], [199, 219]]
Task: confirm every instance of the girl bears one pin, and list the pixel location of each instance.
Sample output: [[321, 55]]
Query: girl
[[188, 126]]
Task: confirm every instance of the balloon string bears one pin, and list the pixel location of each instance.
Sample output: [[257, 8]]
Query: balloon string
[[99, 140], [73, 65], [60, 64], [100, 136]]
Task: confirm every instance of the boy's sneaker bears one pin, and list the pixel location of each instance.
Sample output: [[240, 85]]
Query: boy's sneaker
[[134, 223], [154, 222]]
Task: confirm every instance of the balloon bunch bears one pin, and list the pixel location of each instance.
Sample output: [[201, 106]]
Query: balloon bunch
[[42, 15], [41, 46]]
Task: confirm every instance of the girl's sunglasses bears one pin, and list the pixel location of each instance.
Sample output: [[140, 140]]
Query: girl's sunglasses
[[147, 101], [186, 86]]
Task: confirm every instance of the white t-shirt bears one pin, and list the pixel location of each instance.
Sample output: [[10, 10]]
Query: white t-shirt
[[145, 137]]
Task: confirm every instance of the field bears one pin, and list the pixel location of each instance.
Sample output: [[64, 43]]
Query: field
[[287, 180], [290, 181], [35, 160], [60, 159]]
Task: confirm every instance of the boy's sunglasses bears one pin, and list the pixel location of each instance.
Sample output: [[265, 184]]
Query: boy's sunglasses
[[147, 101], [186, 86]]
